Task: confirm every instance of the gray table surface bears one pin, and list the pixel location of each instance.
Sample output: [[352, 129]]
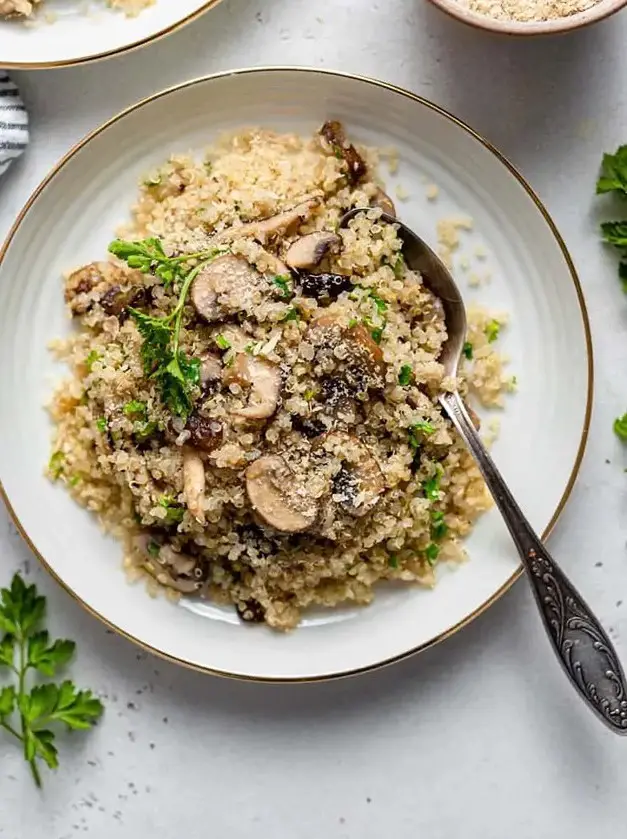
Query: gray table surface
[[480, 737]]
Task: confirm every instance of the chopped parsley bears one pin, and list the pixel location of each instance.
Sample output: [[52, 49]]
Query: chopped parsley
[[101, 424], [223, 342], [431, 553], [405, 375], [309, 395], [352, 322], [284, 283], [153, 180], [492, 329], [93, 356], [431, 487], [393, 561], [399, 266], [135, 409], [620, 427], [439, 528], [467, 350], [153, 548], [174, 511], [291, 314], [376, 334], [74, 480], [419, 430], [378, 301], [145, 430], [55, 465]]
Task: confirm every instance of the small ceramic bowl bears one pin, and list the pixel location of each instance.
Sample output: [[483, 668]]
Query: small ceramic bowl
[[599, 11]]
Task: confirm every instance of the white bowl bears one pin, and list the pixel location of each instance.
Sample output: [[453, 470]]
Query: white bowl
[[84, 31], [70, 220]]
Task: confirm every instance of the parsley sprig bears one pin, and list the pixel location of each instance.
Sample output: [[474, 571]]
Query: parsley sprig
[[162, 357], [613, 179], [28, 714]]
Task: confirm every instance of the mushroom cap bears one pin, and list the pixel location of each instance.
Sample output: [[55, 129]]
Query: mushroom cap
[[277, 497], [309, 250], [360, 482], [223, 287], [272, 226], [264, 379]]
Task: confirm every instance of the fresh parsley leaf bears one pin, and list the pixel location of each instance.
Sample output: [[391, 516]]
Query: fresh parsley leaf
[[46, 657], [223, 342], [615, 233], [26, 648], [620, 427], [405, 375], [614, 173], [284, 283], [376, 334], [418, 431], [431, 487], [431, 553], [492, 329], [92, 357], [393, 561], [156, 333], [56, 464], [379, 302], [145, 430], [101, 424], [467, 350], [439, 528], [8, 701], [622, 275], [352, 322], [174, 511], [153, 548], [135, 409], [291, 314]]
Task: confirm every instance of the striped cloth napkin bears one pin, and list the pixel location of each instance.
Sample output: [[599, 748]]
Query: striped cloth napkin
[[13, 123]]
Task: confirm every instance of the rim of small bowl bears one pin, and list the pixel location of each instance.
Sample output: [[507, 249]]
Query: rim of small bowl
[[126, 48], [559, 26]]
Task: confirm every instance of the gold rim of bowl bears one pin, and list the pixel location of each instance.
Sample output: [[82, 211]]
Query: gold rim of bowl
[[100, 56], [589, 353]]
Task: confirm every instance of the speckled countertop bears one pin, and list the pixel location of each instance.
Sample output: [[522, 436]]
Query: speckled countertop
[[480, 737]]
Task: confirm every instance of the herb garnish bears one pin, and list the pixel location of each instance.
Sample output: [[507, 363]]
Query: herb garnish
[[405, 375], [162, 357], [431, 553], [101, 424], [24, 714], [284, 283], [467, 350], [135, 409], [393, 561], [222, 342], [439, 528], [492, 329], [55, 465], [92, 357], [291, 314], [613, 176], [431, 486], [174, 511], [419, 430], [620, 427]]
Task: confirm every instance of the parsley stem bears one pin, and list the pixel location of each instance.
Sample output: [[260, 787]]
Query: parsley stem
[[35, 772], [11, 730], [178, 311], [20, 687]]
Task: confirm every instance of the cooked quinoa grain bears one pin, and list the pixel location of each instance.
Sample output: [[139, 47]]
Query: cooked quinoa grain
[[265, 436]]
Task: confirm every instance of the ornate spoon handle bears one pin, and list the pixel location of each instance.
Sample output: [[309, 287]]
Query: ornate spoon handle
[[580, 642]]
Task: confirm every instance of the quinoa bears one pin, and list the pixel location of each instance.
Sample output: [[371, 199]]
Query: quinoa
[[313, 461], [26, 9]]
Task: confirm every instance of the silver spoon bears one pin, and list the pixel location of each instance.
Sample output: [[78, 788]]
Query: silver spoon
[[580, 642]]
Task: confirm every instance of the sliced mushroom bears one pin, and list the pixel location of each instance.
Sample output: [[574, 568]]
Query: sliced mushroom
[[101, 282], [333, 140], [165, 564], [264, 380], [206, 434], [359, 483], [277, 497], [310, 250], [210, 370], [222, 287], [383, 201], [273, 226], [194, 483], [360, 336]]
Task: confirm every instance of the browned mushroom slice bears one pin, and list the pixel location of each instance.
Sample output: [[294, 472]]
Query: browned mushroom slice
[[210, 370], [333, 140], [179, 571], [383, 201], [273, 226], [194, 483], [310, 250], [373, 353], [359, 483], [223, 287], [102, 282], [263, 377], [277, 497]]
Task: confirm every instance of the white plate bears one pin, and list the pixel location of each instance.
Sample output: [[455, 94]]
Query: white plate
[[70, 220], [76, 31]]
